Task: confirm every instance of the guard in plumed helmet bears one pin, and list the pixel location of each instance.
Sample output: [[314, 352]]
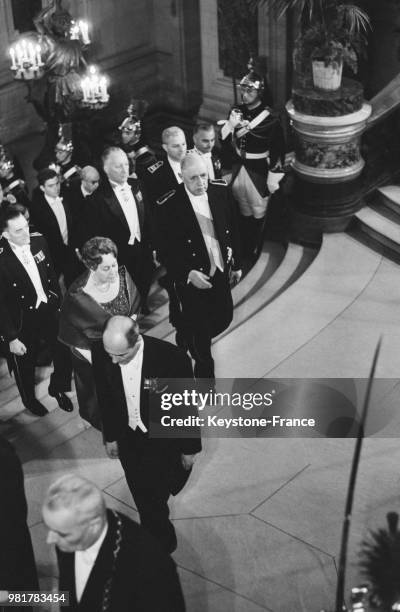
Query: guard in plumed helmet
[[254, 134], [64, 163], [131, 139], [12, 179]]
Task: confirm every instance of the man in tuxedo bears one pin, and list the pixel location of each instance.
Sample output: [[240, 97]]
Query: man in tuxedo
[[17, 562], [80, 197], [29, 306], [51, 215], [204, 144], [154, 467], [106, 560], [118, 212], [201, 245]]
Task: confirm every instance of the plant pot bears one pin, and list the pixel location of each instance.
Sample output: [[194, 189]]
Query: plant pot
[[327, 77]]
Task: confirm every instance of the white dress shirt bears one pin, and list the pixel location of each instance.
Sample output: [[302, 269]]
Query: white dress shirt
[[28, 261], [208, 160], [131, 377], [177, 170], [202, 207], [84, 562], [127, 201], [57, 207]]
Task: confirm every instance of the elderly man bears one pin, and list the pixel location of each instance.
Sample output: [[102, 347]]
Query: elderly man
[[204, 144], [106, 561], [154, 467], [118, 212], [80, 196], [197, 225]]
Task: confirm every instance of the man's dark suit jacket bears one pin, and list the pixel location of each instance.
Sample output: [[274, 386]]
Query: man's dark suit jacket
[[44, 220], [160, 360], [144, 578], [17, 293], [17, 563], [159, 178], [105, 217], [182, 239], [81, 211]]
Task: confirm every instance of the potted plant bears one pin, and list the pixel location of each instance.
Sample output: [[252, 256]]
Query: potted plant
[[332, 34]]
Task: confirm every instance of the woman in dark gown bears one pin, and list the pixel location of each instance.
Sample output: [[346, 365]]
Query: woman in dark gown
[[103, 291]]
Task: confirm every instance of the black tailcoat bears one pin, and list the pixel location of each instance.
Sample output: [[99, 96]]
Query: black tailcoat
[[152, 466], [144, 578], [20, 319], [44, 220], [105, 217], [17, 563]]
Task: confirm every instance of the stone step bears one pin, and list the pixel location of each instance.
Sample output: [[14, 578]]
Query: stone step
[[278, 330], [296, 261], [381, 227], [389, 196]]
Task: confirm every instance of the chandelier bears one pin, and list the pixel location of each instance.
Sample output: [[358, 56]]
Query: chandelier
[[94, 89], [56, 52], [26, 60]]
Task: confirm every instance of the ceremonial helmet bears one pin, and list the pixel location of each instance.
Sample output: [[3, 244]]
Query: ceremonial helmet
[[64, 143], [131, 126], [6, 164], [252, 79]]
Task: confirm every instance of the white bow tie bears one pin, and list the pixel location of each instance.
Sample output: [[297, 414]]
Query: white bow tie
[[207, 155], [57, 200]]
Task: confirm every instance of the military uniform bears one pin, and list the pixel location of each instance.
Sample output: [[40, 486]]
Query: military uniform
[[21, 319], [256, 148], [206, 312]]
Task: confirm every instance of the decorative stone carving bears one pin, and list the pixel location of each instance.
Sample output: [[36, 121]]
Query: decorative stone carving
[[328, 148]]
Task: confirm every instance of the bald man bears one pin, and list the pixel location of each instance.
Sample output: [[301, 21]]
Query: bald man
[[106, 561], [154, 467], [197, 227]]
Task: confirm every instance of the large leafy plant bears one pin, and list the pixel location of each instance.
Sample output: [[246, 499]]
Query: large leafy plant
[[330, 30]]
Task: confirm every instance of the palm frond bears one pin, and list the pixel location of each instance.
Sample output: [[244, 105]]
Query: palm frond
[[355, 18]]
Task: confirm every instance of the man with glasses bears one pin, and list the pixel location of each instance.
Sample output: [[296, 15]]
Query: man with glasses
[[254, 133]]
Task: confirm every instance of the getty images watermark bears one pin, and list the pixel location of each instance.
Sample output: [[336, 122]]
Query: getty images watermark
[[212, 399], [270, 408]]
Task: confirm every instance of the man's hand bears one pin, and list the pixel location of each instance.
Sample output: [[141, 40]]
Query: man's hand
[[188, 461], [235, 118], [234, 277], [17, 347], [199, 279], [112, 449]]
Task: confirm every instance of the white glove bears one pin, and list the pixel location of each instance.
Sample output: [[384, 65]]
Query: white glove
[[273, 180], [235, 118]]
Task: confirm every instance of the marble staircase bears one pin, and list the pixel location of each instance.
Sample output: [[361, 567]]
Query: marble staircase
[[378, 223]]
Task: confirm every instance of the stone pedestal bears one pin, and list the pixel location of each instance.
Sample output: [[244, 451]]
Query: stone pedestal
[[328, 148], [327, 129]]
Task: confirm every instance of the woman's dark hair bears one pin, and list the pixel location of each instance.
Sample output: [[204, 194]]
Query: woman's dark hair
[[93, 250]]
